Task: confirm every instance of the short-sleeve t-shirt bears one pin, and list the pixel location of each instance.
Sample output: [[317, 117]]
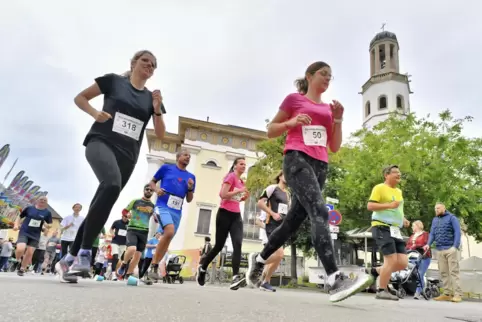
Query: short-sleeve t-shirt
[[130, 109], [120, 232], [52, 244], [174, 182], [383, 193], [234, 183], [314, 138], [141, 211], [278, 201], [97, 240], [150, 251], [34, 220]]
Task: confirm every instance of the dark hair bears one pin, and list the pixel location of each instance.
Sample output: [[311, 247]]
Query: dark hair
[[235, 163], [278, 176], [302, 83], [207, 239], [75, 204], [147, 186], [136, 58], [388, 169]]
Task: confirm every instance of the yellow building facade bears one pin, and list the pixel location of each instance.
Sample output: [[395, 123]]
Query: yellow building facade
[[213, 148]]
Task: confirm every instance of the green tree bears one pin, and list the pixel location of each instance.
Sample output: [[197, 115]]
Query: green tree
[[438, 164]]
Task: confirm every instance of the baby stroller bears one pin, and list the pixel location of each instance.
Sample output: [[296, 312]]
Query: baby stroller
[[173, 269], [407, 280]]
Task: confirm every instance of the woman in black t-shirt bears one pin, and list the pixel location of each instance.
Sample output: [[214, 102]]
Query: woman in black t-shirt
[[112, 148], [274, 201]]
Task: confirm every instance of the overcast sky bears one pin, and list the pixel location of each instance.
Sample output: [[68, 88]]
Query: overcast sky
[[233, 61]]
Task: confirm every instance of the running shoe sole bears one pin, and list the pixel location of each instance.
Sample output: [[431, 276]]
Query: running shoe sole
[[238, 284], [364, 282], [197, 274], [62, 277], [251, 263]]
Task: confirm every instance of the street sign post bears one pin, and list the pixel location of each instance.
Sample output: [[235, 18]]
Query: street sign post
[[335, 217]]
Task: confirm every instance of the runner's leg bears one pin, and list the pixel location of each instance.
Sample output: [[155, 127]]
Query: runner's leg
[[236, 232], [113, 172], [223, 223]]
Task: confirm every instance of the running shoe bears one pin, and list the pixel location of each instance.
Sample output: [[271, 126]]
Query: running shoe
[[81, 266], [386, 295], [267, 287], [255, 270], [122, 270], [343, 287], [200, 276], [62, 268], [20, 272], [153, 273], [238, 281]]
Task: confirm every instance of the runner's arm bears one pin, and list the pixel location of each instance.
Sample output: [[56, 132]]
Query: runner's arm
[[190, 193], [263, 206], [82, 99], [225, 193], [277, 126]]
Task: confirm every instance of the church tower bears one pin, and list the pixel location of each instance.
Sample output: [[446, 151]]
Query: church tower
[[386, 91]]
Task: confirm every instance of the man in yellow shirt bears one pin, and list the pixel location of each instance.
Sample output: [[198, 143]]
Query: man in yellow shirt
[[386, 202]]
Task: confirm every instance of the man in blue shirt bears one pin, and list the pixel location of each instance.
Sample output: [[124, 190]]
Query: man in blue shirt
[[176, 185], [445, 232]]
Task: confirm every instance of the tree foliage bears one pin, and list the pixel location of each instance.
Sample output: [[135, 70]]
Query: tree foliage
[[438, 164]]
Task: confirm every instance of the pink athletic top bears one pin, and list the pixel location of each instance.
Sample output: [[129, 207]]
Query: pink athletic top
[[315, 138], [233, 203]]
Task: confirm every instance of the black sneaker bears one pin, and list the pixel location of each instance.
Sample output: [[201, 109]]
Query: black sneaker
[[201, 276], [122, 270], [20, 272], [344, 286], [238, 281], [62, 268], [267, 287], [255, 270]]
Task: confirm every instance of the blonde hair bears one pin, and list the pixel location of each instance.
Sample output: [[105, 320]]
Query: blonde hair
[[135, 58], [419, 224]]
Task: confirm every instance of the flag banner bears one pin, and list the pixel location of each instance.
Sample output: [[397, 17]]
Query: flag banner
[[25, 187], [20, 184], [29, 195], [4, 152], [16, 179]]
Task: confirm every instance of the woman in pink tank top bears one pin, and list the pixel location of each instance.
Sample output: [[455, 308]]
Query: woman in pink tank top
[[313, 126], [229, 221]]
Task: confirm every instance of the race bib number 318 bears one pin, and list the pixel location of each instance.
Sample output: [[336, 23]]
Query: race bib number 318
[[314, 135], [127, 125]]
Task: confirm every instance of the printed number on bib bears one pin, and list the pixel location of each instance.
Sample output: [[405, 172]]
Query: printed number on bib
[[127, 125], [122, 232], [395, 232], [174, 202], [314, 135], [34, 223], [282, 209]]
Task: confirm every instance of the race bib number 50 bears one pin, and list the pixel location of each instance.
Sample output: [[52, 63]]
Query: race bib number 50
[[127, 125], [314, 135]]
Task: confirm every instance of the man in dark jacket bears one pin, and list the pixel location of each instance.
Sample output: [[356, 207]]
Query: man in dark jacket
[[445, 232]]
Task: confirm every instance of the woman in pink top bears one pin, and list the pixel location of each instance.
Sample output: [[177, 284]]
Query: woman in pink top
[[229, 221], [313, 126]]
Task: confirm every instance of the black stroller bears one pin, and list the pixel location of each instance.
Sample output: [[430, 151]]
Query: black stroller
[[406, 281], [173, 269]]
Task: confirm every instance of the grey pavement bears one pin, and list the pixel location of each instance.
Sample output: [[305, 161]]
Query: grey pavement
[[44, 299]]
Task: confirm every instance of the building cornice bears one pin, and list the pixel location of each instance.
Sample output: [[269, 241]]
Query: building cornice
[[385, 77]]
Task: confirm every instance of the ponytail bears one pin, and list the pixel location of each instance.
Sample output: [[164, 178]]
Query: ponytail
[[302, 85], [127, 74]]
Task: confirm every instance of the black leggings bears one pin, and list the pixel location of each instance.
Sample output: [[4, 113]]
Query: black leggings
[[145, 266], [113, 170], [227, 222], [65, 246], [306, 177]]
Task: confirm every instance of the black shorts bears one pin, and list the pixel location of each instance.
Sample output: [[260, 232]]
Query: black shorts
[[386, 243], [31, 242], [137, 238]]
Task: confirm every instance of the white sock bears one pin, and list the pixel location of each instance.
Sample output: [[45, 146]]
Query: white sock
[[259, 259], [331, 278]]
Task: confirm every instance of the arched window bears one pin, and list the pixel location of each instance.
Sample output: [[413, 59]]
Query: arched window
[[211, 163], [400, 101], [367, 109], [382, 102]]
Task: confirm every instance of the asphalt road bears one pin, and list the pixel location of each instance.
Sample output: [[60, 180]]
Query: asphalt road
[[44, 299]]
